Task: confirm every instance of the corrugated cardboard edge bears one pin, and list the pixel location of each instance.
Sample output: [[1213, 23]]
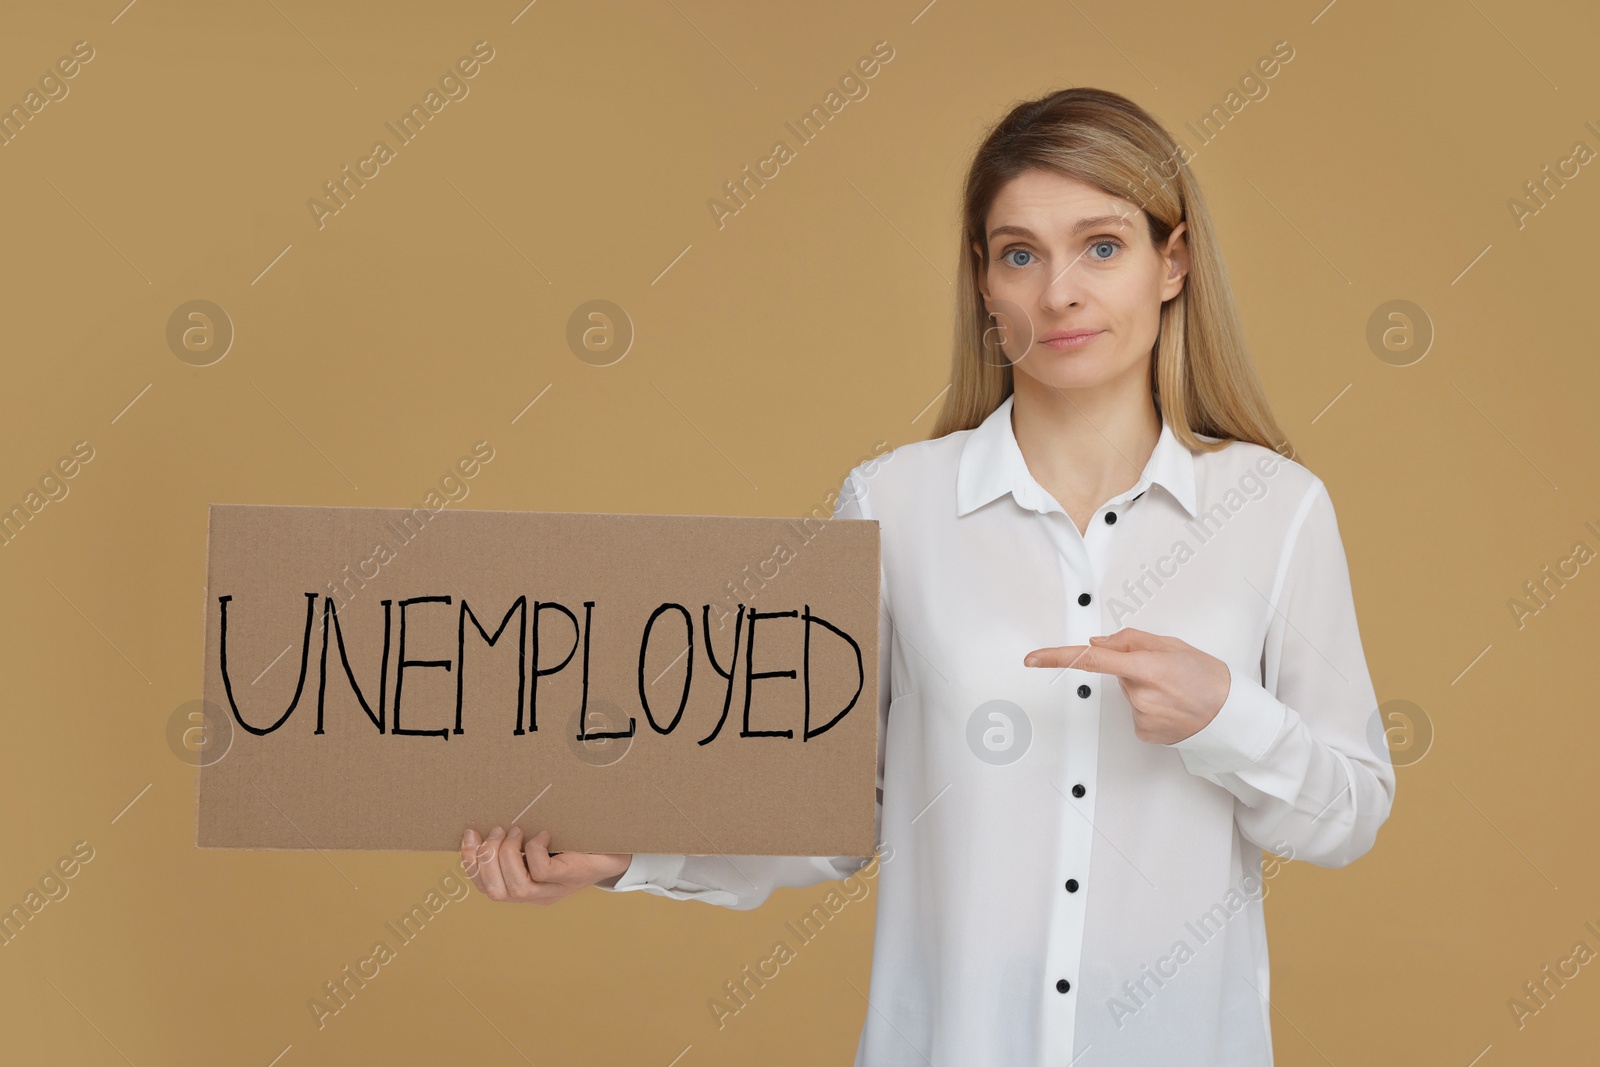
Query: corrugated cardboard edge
[[526, 511], [205, 621]]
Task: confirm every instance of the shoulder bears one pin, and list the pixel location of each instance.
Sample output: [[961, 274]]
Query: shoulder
[[914, 471], [1288, 505], [1245, 470]]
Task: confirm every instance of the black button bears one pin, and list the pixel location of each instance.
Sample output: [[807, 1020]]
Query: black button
[[1111, 517], [1083, 599], [1078, 790], [1083, 690], [1062, 985], [1072, 885]]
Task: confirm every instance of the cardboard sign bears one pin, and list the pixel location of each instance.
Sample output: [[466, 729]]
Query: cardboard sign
[[383, 678]]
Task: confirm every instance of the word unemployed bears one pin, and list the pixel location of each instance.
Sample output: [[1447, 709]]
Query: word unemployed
[[525, 630]]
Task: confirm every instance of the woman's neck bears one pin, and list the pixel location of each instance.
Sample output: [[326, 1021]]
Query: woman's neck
[[1084, 446]]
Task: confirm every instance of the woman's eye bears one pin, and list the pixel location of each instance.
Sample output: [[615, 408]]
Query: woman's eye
[[1015, 252], [1106, 242]]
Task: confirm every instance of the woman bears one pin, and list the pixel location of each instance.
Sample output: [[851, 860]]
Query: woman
[[1119, 649]]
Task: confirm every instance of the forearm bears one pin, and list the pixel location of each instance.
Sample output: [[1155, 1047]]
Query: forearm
[[737, 882], [1291, 787]]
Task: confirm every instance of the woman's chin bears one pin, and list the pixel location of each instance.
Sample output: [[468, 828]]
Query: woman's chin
[[1064, 371]]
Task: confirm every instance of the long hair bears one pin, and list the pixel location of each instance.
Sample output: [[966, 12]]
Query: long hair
[[1201, 375]]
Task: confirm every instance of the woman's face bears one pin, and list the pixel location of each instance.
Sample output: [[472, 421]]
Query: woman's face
[[1064, 257]]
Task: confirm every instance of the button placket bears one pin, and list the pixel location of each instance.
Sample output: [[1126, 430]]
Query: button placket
[[1079, 573], [1083, 756]]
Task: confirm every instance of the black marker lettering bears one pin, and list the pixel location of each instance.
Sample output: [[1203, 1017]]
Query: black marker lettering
[[383, 670], [860, 670], [538, 672], [688, 673], [583, 708], [305, 659], [733, 662], [520, 604], [750, 676], [400, 672], [731, 674]]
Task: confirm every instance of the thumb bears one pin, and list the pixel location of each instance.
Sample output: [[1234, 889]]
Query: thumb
[[536, 855], [1128, 640]]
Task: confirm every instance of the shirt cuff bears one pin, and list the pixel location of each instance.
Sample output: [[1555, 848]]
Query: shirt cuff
[[1242, 731], [649, 869]]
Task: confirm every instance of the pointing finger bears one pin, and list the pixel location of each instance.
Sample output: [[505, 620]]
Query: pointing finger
[[1076, 657], [1130, 640]]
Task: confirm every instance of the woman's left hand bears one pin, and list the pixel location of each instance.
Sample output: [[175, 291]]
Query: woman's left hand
[[1175, 688]]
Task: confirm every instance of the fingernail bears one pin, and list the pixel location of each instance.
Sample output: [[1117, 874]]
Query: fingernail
[[498, 831], [470, 838], [1031, 661]]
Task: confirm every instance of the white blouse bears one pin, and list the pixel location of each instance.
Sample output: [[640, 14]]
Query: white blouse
[[1053, 890]]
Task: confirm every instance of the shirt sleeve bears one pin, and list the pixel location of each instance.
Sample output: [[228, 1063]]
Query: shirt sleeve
[[745, 882], [1305, 755]]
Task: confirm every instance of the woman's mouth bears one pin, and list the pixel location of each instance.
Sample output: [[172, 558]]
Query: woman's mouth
[[1063, 339]]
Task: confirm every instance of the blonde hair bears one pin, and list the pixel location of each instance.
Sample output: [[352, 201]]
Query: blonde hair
[[1201, 376]]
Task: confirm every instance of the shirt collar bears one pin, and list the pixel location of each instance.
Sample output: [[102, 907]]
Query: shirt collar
[[991, 465]]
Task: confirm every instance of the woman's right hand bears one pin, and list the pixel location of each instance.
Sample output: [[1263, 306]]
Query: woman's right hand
[[506, 867]]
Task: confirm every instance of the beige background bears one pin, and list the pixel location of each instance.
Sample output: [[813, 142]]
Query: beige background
[[770, 356]]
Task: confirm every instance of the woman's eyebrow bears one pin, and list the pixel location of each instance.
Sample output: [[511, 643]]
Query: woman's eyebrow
[[1089, 223]]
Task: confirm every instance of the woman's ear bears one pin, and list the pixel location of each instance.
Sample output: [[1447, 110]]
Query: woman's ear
[[983, 276], [1177, 259]]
